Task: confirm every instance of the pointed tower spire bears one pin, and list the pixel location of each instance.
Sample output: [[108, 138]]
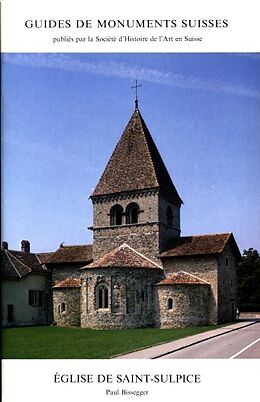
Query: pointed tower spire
[[136, 164]]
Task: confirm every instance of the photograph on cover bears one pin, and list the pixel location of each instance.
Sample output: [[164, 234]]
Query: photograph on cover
[[130, 206]]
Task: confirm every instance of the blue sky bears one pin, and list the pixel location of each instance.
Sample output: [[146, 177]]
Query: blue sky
[[64, 113]]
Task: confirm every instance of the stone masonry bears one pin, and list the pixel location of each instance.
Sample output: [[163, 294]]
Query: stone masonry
[[203, 267], [66, 301], [141, 272], [189, 305], [130, 298], [227, 285]]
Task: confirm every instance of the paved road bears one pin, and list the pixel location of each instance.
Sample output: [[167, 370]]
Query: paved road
[[240, 340], [243, 343]]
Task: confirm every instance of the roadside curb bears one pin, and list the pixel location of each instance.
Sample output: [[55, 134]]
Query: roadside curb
[[202, 340]]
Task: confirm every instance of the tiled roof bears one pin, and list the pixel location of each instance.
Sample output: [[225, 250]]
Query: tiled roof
[[199, 245], [17, 264], [68, 283], [72, 254], [43, 257], [183, 278], [136, 164], [123, 257]]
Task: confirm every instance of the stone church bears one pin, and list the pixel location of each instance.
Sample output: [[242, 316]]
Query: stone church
[[140, 271]]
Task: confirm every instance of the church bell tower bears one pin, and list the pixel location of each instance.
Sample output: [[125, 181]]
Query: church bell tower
[[135, 200]]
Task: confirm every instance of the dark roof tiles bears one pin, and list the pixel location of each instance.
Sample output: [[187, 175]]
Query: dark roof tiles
[[198, 245], [136, 164], [43, 257], [17, 264], [72, 254]]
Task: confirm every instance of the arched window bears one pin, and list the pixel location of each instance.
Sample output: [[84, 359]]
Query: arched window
[[132, 211], [170, 303], [62, 307], [169, 215], [116, 215], [102, 296]]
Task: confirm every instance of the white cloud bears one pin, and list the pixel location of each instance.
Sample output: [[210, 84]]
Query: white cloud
[[131, 71]]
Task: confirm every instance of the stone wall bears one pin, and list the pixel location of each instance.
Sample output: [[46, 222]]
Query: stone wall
[[149, 236], [48, 302], [64, 271], [130, 297], [166, 231], [227, 285], [181, 305], [203, 267], [147, 202], [142, 236], [67, 315]]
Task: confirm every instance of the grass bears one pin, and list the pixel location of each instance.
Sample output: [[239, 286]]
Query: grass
[[82, 343]]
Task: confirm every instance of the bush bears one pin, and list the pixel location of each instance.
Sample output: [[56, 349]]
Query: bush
[[249, 308]]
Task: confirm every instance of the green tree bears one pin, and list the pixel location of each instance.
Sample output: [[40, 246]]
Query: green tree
[[249, 281]]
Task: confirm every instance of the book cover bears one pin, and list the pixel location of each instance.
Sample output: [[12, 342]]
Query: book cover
[[84, 86]]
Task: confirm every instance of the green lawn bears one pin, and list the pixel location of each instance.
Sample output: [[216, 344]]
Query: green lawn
[[81, 343]]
